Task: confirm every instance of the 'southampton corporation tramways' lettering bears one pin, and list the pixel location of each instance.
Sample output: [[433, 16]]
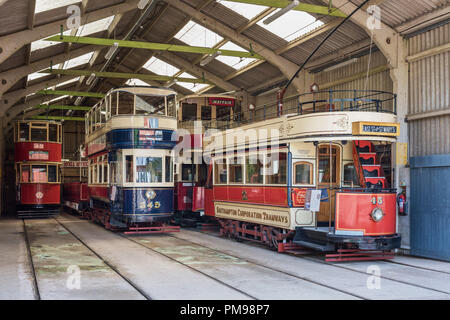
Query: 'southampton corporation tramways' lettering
[[264, 216]]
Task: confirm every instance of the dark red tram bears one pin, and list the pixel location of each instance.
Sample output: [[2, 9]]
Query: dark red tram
[[38, 166]]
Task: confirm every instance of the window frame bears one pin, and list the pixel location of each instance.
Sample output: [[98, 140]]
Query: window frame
[[294, 173]]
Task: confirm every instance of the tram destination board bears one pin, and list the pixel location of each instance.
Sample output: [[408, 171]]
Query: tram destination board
[[376, 129]]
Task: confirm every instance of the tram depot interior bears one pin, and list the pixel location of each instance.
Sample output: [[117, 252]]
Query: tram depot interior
[[250, 149]]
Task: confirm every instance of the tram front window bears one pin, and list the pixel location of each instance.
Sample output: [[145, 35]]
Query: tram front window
[[146, 105], [52, 174], [187, 172], [39, 173], [169, 170], [38, 133], [53, 132], [148, 169], [24, 134]]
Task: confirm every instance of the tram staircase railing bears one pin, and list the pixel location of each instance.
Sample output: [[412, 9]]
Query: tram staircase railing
[[368, 166]]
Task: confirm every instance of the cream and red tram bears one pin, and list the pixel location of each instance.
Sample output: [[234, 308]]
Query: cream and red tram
[[317, 177], [197, 114], [37, 156]]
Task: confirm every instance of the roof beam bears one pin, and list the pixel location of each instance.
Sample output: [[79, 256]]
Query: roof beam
[[11, 98], [56, 107], [154, 46], [58, 118], [286, 66], [12, 42], [305, 7], [121, 75], [10, 77], [387, 39], [71, 93]]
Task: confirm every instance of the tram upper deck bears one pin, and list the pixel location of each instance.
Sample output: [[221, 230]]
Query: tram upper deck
[[131, 108]]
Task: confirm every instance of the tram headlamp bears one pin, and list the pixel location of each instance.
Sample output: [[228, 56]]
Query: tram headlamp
[[377, 214]]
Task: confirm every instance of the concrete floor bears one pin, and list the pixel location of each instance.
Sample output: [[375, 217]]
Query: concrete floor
[[69, 258]]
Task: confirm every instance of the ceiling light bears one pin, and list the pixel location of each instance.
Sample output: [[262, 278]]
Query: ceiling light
[[340, 65], [142, 3], [210, 58], [90, 79], [280, 12], [111, 51]]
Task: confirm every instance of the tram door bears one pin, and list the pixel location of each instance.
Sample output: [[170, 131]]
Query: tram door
[[328, 177]]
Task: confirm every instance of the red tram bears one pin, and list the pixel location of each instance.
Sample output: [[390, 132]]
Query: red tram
[[75, 187], [38, 166], [197, 114]]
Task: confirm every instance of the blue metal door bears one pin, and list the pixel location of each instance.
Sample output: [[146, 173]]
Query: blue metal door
[[430, 206]]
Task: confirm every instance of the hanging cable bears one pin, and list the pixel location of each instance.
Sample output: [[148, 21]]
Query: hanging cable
[[283, 91]]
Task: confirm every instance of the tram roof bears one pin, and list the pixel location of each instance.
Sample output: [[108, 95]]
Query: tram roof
[[146, 90], [209, 95]]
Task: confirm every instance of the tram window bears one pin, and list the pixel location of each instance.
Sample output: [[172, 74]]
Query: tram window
[[148, 105], [325, 166], [276, 166], [303, 173], [100, 172], [220, 171], [171, 109], [189, 111], [26, 174], [39, 173], [202, 174], [187, 172], [169, 169], [105, 172], [148, 169], [126, 103], [223, 113], [350, 176], [129, 168], [38, 133], [114, 103], [94, 174], [112, 172], [24, 134], [53, 132], [253, 169], [103, 112], [52, 174], [206, 113], [236, 170]]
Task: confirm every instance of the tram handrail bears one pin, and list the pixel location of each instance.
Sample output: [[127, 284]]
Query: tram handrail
[[322, 101]]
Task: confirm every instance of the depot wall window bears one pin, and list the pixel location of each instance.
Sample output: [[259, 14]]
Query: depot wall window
[[236, 170], [189, 111], [220, 171], [328, 169], [276, 168], [148, 169], [303, 173], [254, 169]]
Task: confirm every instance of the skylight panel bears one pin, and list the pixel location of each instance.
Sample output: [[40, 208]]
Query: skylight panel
[[67, 82], [78, 61], [45, 5], [234, 62], [194, 34], [94, 27], [41, 44], [249, 11], [56, 99], [292, 25], [160, 67], [38, 74], [137, 82], [194, 87]]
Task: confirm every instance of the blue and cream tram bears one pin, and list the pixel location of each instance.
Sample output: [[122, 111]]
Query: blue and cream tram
[[130, 174]]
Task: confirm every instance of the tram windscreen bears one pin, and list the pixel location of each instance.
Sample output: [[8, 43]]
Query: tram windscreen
[[150, 105], [24, 134], [39, 173], [38, 134], [148, 169]]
